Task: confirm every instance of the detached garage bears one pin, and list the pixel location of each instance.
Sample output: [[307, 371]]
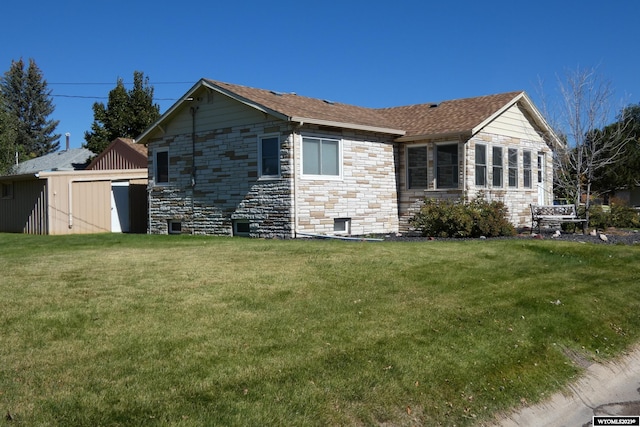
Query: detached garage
[[72, 202]]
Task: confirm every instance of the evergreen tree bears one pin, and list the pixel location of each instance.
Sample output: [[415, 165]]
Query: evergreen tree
[[625, 172], [27, 101], [7, 141], [127, 113]]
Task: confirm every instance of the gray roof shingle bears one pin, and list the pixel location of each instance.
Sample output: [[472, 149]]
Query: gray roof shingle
[[73, 159]]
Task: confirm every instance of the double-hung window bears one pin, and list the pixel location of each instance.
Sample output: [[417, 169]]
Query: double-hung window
[[497, 164], [481, 165], [269, 155], [417, 167], [526, 168], [320, 156], [513, 167], [161, 160], [447, 166]]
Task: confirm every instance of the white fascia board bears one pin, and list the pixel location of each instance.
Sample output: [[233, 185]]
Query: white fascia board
[[542, 122], [353, 126], [460, 135]]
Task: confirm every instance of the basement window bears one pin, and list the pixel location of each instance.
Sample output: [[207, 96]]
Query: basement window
[[175, 227], [241, 227], [342, 225]]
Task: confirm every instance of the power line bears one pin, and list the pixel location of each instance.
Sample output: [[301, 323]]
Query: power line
[[104, 97], [112, 83], [109, 84]]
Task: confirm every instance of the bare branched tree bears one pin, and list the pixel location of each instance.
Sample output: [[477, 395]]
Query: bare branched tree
[[585, 110]]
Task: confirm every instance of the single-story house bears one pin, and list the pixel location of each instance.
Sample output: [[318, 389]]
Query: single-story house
[[56, 194], [233, 160]]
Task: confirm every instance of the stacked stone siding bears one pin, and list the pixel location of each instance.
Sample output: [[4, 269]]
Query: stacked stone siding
[[365, 193], [214, 179], [227, 186], [516, 199]]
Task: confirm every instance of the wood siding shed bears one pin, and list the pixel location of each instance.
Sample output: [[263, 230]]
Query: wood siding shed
[[68, 202]]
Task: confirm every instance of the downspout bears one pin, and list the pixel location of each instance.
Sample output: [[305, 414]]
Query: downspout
[[193, 165], [295, 180], [465, 184], [193, 146]]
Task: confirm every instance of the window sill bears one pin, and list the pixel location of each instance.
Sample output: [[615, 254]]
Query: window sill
[[270, 178], [321, 177]]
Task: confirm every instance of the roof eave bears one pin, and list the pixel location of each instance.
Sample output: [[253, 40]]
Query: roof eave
[[353, 126], [243, 100], [441, 135], [169, 113]]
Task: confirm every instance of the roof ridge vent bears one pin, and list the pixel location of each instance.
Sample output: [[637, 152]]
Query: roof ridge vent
[[276, 93], [328, 101], [433, 105]]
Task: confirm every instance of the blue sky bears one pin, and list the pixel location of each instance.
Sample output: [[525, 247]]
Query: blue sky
[[368, 53]]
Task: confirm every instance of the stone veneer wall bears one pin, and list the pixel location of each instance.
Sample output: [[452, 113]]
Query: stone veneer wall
[[227, 186], [366, 193], [517, 199]]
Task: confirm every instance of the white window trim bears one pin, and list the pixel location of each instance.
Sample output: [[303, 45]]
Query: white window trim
[[241, 233], [338, 177], [485, 164], [406, 162], [155, 167], [343, 221], [435, 165], [528, 171], [260, 174], [517, 168], [502, 168]]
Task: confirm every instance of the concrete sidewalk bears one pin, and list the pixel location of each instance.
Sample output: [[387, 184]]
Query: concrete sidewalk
[[604, 389]]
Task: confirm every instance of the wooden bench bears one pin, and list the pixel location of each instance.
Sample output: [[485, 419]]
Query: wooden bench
[[554, 214]]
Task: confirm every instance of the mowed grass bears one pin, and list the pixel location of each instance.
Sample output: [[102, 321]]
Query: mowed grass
[[122, 330]]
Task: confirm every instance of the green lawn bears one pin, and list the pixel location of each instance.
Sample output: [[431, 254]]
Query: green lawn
[[122, 330]]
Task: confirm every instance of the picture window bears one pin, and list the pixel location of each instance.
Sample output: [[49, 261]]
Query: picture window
[[320, 156]]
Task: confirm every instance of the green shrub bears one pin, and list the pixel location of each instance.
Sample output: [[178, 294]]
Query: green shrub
[[623, 216], [453, 218], [599, 218], [617, 214]]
